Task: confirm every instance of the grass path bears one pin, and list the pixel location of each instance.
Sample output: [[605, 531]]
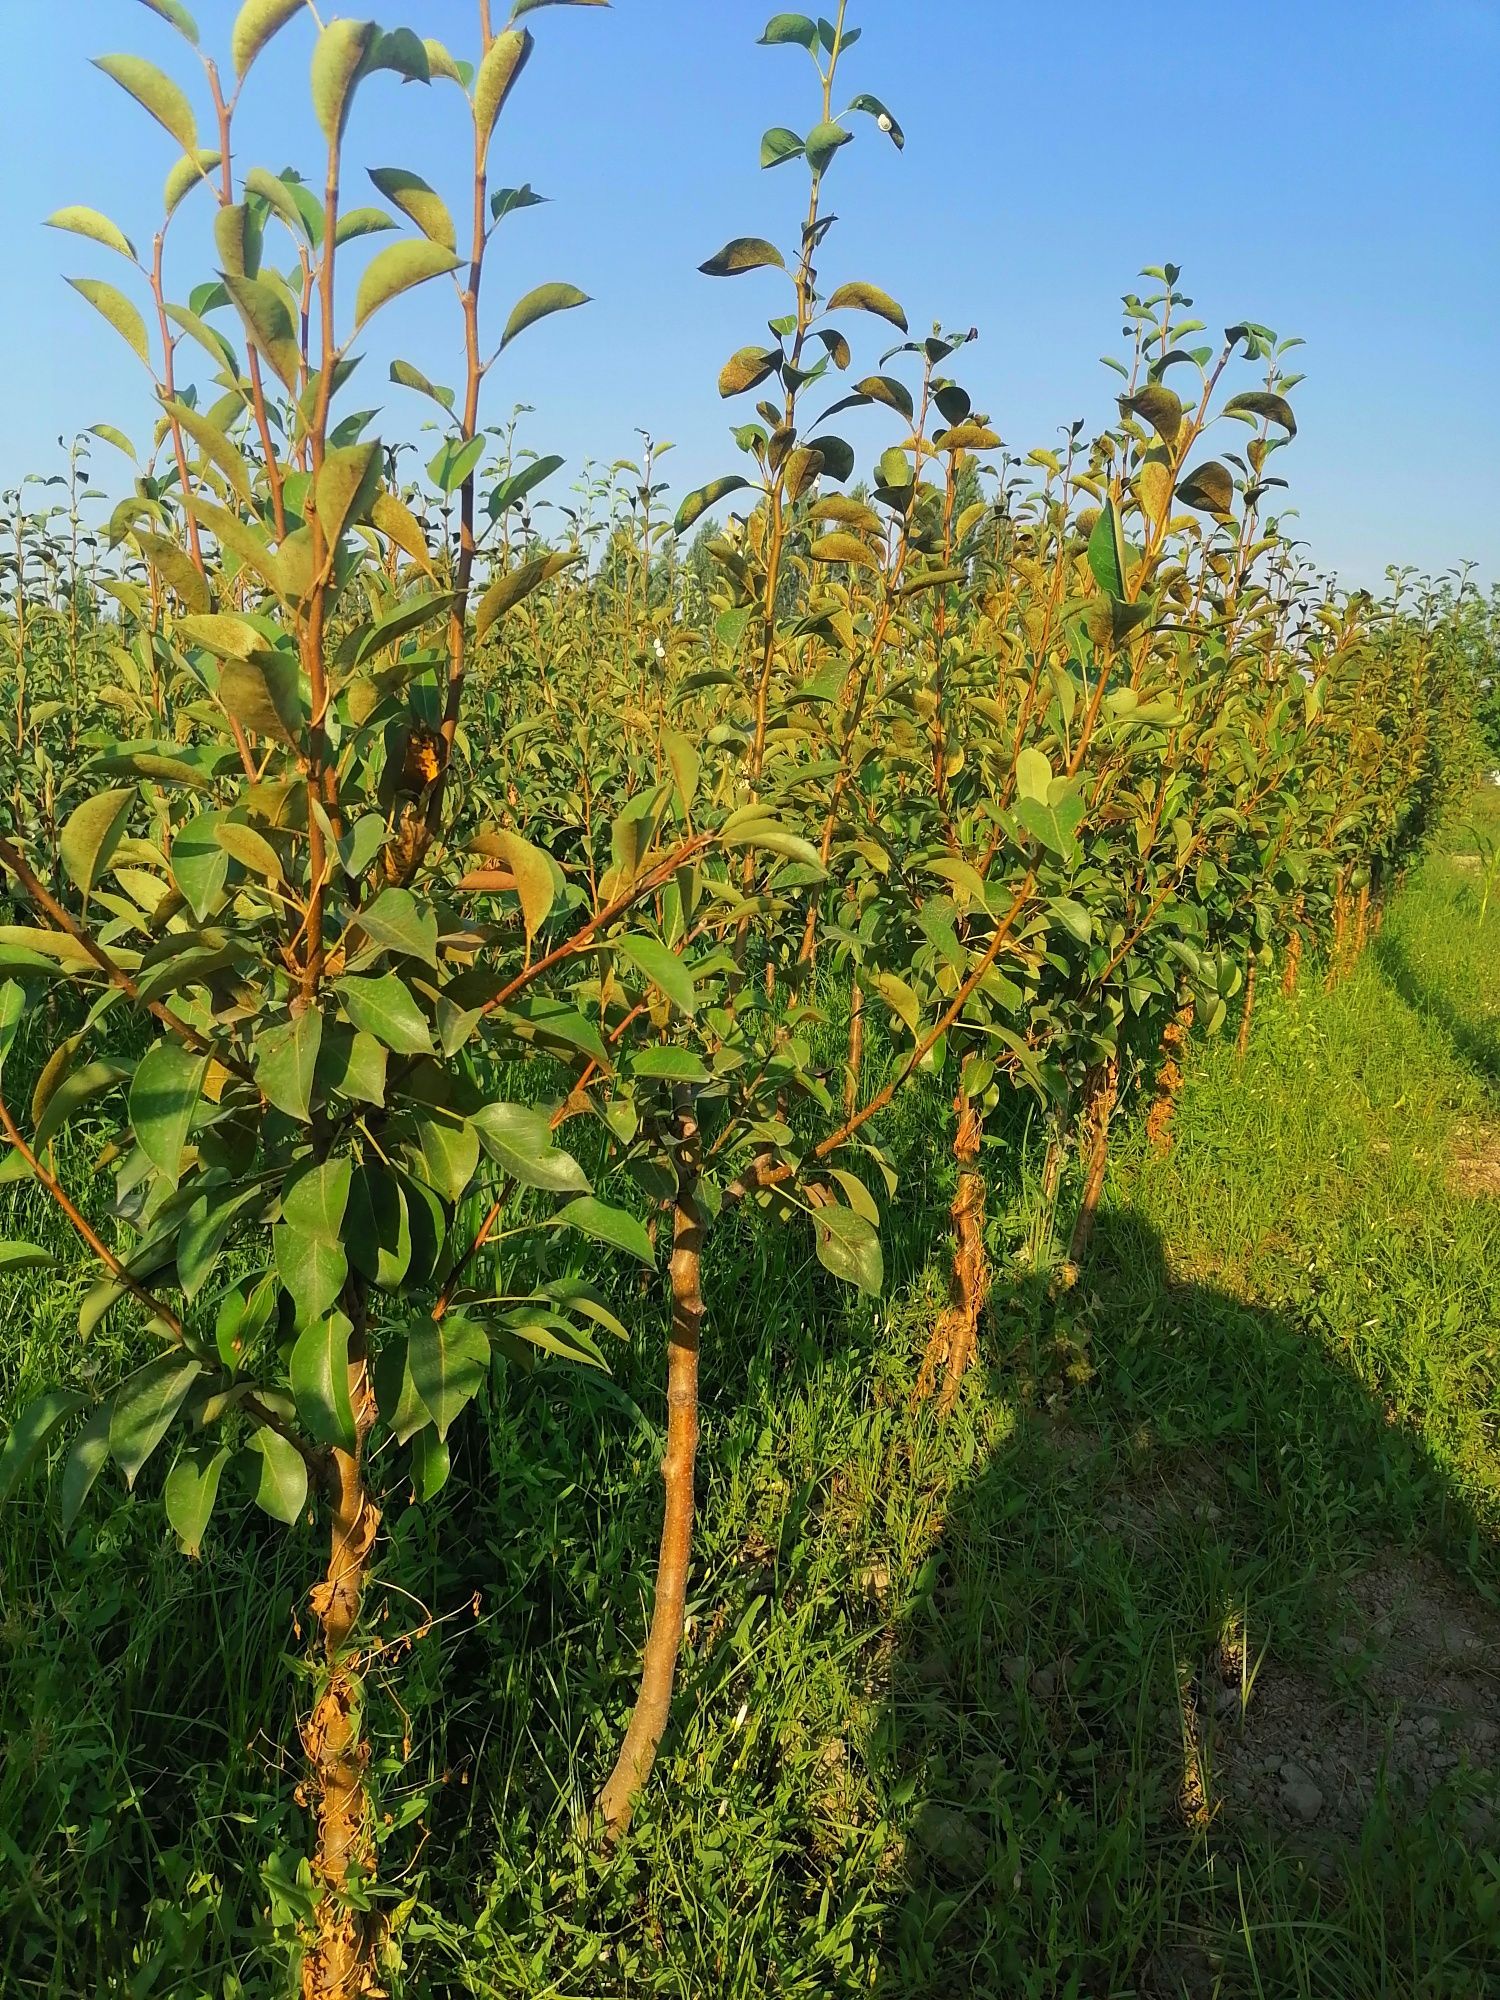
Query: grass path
[[1167, 1667]]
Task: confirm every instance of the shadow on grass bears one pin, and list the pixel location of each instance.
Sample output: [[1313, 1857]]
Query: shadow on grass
[[1475, 1042], [1187, 1704]]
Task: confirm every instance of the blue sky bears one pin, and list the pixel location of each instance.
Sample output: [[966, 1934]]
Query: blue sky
[[1329, 168]]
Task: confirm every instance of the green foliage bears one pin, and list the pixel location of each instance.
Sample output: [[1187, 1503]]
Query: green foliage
[[433, 907]]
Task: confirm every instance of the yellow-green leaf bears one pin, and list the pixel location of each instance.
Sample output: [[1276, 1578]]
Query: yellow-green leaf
[[396, 269], [254, 26], [337, 57], [98, 228], [538, 304], [118, 310], [156, 93], [503, 62]]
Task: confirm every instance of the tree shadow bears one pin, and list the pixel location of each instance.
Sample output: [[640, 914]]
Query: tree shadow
[[1197, 1697], [1475, 1042]]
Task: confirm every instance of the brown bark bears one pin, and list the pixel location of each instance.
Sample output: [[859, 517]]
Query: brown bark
[[955, 1338], [340, 1963], [1362, 921], [1100, 1092], [1169, 1079], [854, 1062], [1247, 1012], [1338, 957], [653, 1705], [1293, 964]]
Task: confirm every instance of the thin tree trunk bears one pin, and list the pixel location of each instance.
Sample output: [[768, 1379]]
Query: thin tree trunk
[[1362, 922], [1242, 1045], [955, 1338], [1169, 1079], [1293, 964], [854, 1062], [653, 1705], [1101, 1090], [340, 1964]]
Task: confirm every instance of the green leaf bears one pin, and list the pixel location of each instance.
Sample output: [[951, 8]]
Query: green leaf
[[743, 253], [515, 585], [1209, 488], [430, 1463], [396, 269], [447, 1154], [164, 1094], [268, 322], [118, 310], [24, 1257], [98, 228], [315, 1201], [397, 922], [503, 62], [1054, 821], [155, 93], [144, 1406], [419, 202], [384, 1007], [849, 1246], [699, 502], [456, 460], [320, 1380], [535, 878], [662, 967], [281, 1490], [449, 1360], [540, 304], [191, 171], [178, 15], [379, 1231], [530, 6], [191, 1488], [518, 1139], [338, 58], [870, 299], [346, 486], [200, 866], [790, 28], [1158, 406], [12, 1013], [670, 1063], [1106, 552], [873, 108], [613, 1226], [285, 1061], [779, 144], [30, 1432], [83, 1464], [92, 833], [255, 24], [1263, 403], [823, 141], [747, 368], [264, 695], [1033, 774], [85, 1084]]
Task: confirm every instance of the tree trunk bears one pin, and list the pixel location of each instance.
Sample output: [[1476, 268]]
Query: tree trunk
[[341, 1962], [653, 1705], [854, 1062], [1338, 956], [1242, 1045], [1361, 922], [1169, 1079], [1100, 1092], [955, 1338], [1293, 964]]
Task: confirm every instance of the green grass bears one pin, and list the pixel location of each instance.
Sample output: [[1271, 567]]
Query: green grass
[[951, 1718]]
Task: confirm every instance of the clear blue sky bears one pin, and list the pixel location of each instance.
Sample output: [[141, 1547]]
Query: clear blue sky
[[1329, 167]]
